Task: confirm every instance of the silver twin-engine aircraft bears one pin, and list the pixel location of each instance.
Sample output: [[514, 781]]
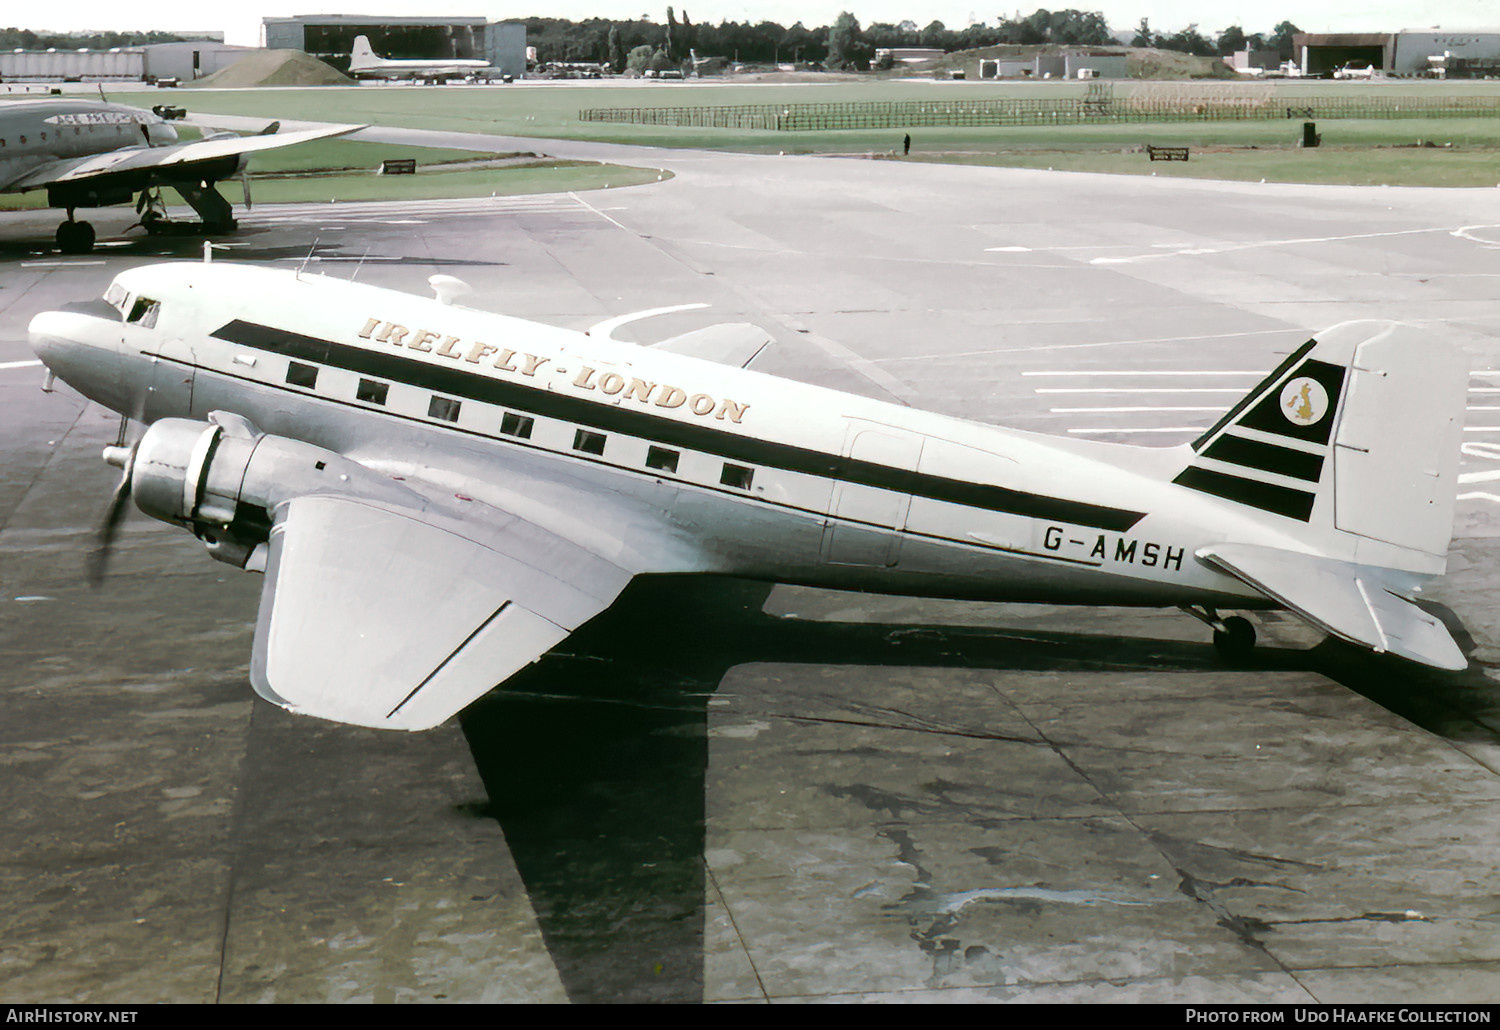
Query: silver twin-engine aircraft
[[438, 495], [89, 153]]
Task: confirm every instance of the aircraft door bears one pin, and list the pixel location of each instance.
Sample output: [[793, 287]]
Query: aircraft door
[[169, 388], [866, 508]]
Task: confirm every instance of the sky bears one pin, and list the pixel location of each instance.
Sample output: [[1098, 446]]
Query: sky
[[241, 22]]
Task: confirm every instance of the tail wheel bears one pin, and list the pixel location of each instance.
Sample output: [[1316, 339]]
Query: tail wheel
[[1236, 640]]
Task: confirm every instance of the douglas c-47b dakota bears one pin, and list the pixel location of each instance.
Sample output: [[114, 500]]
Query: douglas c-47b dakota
[[436, 495]]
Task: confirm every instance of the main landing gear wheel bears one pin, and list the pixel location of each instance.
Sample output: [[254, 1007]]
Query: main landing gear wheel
[[1236, 640], [1234, 637], [75, 237]]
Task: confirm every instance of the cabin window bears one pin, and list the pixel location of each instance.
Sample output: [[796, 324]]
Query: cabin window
[[115, 296], [445, 408], [305, 376], [588, 442], [662, 458], [512, 424], [371, 391], [737, 476], [143, 312]]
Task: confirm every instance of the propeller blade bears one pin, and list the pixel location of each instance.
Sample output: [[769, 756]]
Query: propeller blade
[[245, 182], [124, 459]]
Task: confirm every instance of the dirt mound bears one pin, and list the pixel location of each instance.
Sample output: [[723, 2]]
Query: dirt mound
[[274, 68]]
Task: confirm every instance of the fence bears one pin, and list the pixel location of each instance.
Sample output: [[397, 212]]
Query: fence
[[883, 114]]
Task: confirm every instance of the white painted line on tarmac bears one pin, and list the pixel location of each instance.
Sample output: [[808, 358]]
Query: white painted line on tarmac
[[19, 364], [1142, 389], [1139, 429], [1232, 247], [605, 329], [1133, 372], [1101, 411]]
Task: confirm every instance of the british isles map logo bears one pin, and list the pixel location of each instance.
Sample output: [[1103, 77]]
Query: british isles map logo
[[1304, 401]]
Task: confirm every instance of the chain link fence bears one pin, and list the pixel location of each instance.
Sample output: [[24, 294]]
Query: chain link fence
[[900, 114]]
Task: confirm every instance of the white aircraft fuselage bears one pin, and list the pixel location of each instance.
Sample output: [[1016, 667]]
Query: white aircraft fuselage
[[364, 63], [659, 462], [843, 490]]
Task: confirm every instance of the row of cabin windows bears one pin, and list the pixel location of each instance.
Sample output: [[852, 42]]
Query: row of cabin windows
[[77, 131], [585, 441]]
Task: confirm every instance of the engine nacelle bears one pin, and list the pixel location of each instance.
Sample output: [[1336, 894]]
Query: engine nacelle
[[224, 479]]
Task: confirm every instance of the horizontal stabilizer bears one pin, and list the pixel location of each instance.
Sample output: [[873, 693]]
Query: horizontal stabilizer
[[730, 343], [1351, 602]]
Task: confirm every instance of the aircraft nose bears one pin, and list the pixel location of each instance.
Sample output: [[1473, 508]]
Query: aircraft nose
[[83, 352], [50, 341]]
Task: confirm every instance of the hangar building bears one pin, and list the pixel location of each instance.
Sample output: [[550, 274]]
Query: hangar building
[[1408, 52], [330, 37]]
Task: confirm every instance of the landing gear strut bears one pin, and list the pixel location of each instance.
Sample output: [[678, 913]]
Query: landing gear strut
[[1234, 637], [217, 215], [75, 237]]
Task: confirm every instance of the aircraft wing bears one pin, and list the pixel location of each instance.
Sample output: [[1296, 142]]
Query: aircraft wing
[[730, 343], [176, 157], [396, 618], [1351, 602]]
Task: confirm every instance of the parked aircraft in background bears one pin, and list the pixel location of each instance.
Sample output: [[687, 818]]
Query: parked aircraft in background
[[365, 64], [437, 495], [89, 153]]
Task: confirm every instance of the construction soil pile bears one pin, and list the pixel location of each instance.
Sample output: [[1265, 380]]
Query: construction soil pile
[[274, 68]]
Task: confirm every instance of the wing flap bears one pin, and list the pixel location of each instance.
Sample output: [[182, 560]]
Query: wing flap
[[1351, 602], [396, 619]]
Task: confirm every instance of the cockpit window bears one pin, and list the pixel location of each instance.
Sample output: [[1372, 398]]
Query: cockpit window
[[143, 312], [116, 296]]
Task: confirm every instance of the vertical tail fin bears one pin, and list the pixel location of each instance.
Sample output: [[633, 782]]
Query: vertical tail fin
[[360, 53], [1358, 431]]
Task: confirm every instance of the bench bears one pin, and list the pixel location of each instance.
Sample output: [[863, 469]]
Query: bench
[[399, 166], [1167, 153]]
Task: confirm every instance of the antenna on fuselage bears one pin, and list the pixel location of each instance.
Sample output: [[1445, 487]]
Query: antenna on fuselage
[[308, 258], [360, 264]]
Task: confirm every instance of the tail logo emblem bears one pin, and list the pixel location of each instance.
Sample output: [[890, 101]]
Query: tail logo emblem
[[1304, 402]]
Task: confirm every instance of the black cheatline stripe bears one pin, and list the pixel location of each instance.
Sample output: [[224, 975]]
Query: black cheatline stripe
[[1271, 380], [1267, 457], [1279, 500], [608, 417]]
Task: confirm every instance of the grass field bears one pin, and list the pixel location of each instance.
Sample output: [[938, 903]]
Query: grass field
[[1370, 151], [334, 170]]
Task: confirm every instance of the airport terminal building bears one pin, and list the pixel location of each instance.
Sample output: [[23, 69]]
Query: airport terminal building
[[330, 37]]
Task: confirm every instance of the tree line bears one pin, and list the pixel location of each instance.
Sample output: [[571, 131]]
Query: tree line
[[644, 43], [25, 39]]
